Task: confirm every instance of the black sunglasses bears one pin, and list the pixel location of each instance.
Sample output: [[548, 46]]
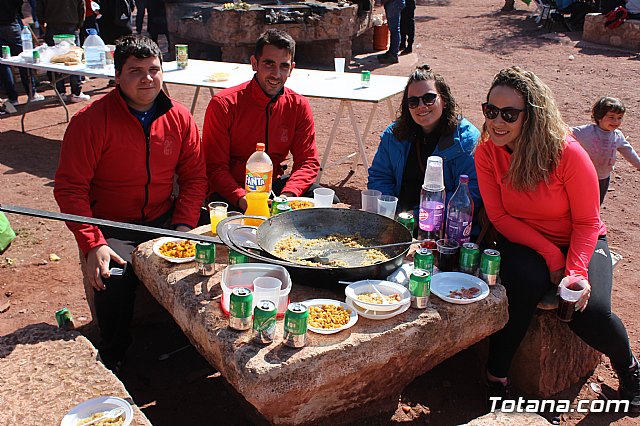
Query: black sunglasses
[[428, 99], [510, 115]]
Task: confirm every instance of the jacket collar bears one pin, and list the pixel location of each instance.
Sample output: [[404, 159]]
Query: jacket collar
[[164, 103], [258, 95]]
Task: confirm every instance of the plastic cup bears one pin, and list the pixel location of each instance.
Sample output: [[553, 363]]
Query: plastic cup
[[217, 212], [370, 200], [109, 51], [387, 205], [339, 64], [447, 257], [571, 289], [266, 288], [433, 176], [323, 197]]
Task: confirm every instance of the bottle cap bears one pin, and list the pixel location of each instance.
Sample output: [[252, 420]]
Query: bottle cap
[[92, 31], [433, 177], [464, 179], [259, 146]]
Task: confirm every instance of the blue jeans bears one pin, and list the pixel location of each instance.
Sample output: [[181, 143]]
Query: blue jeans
[[10, 36], [392, 9]]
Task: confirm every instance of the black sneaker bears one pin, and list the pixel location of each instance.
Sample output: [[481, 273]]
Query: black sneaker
[[630, 387], [496, 390], [388, 59], [406, 50]]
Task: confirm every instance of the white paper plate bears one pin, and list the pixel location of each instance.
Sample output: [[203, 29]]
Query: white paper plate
[[377, 315], [97, 405], [302, 199], [353, 317], [445, 282], [244, 236], [161, 241], [385, 287]]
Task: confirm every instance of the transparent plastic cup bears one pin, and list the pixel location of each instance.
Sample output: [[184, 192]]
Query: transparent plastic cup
[[323, 197], [217, 212], [447, 256], [266, 288], [571, 289], [387, 205], [433, 176], [339, 64], [370, 200]]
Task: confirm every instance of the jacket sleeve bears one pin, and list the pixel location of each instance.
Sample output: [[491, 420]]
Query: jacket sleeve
[[216, 143], [304, 151], [381, 172], [627, 151], [581, 184], [81, 12], [79, 156], [510, 227], [192, 177]]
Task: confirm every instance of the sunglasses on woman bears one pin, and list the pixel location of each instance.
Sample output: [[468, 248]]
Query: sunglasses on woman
[[510, 115], [428, 99]]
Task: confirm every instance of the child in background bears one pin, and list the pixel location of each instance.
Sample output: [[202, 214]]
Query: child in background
[[602, 139]]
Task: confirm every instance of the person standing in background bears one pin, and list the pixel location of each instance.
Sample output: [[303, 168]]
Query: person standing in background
[[407, 27], [10, 27], [157, 19], [64, 17], [115, 21], [140, 10], [89, 21], [392, 10], [34, 7]]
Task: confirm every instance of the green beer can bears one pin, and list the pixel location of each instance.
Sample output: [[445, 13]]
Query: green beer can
[[365, 78], [64, 319], [237, 258], [205, 259], [182, 56], [264, 322], [295, 325], [469, 258], [423, 259], [278, 201], [6, 52], [420, 287], [240, 313], [490, 266], [407, 219]]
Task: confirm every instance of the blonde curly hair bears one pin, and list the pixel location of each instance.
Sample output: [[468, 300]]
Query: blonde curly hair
[[538, 148]]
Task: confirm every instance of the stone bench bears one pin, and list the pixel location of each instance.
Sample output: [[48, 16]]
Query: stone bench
[[626, 36], [45, 372]]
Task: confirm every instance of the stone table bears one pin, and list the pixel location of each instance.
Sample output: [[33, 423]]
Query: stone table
[[357, 372]]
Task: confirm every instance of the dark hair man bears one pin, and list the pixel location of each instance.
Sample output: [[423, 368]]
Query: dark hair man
[[118, 159]]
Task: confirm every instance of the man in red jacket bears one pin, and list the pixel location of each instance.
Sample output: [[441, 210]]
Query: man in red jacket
[[118, 159], [261, 110]]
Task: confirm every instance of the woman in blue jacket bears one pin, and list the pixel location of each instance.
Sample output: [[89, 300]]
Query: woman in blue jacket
[[429, 124]]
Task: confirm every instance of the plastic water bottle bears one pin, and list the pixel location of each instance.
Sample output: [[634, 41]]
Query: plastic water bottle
[[460, 213], [27, 41], [432, 196], [259, 171], [94, 50]]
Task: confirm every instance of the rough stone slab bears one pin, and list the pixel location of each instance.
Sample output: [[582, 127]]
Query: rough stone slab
[[626, 36], [45, 372], [551, 357], [367, 365], [509, 419]]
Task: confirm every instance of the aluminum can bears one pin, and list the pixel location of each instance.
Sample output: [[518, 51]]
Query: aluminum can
[[283, 208], [365, 78], [423, 259], [264, 322], [236, 258], [36, 56], [240, 305], [419, 287], [64, 319], [490, 266], [6, 52], [406, 219], [182, 55], [277, 202], [469, 258], [295, 325], [205, 259]]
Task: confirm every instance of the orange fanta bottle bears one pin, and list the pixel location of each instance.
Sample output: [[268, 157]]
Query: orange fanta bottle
[[259, 171], [256, 206]]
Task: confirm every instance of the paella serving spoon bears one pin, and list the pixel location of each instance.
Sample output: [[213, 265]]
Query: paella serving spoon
[[324, 256]]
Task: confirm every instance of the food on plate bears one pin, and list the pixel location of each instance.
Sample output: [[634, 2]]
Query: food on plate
[[464, 293], [178, 249], [296, 250], [328, 316], [118, 421], [301, 204], [72, 57], [219, 76], [377, 300]]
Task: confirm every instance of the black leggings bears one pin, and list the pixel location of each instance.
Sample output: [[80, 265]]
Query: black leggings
[[525, 275]]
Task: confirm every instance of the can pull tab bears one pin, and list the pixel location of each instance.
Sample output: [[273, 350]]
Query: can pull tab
[[118, 272]]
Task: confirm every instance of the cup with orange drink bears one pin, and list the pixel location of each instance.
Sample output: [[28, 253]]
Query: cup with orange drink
[[217, 212]]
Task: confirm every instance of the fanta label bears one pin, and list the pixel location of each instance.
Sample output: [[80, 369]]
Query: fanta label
[[257, 182]]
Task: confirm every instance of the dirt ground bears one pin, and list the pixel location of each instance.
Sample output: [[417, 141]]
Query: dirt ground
[[467, 41]]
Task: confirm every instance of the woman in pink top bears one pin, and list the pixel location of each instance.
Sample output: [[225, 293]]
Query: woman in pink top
[[540, 191]]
